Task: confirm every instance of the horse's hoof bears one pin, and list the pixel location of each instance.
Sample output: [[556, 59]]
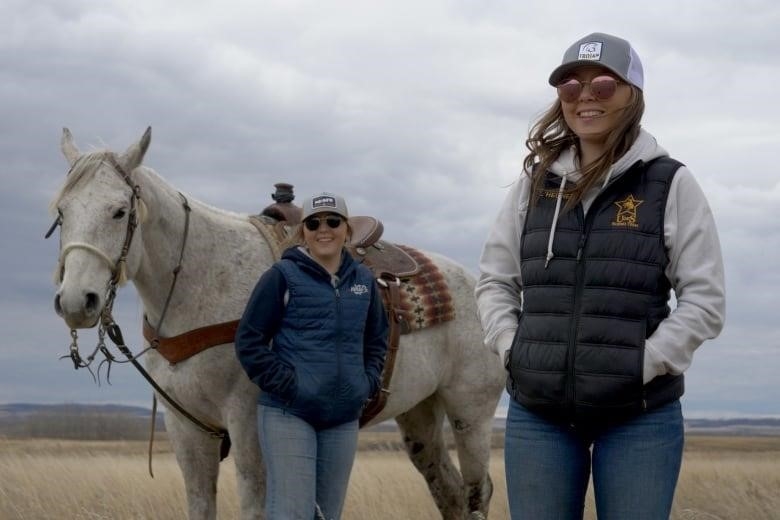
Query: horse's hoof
[[477, 515]]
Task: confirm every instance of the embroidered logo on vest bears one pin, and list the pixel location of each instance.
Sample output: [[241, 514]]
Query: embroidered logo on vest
[[626, 213], [553, 194], [358, 289]]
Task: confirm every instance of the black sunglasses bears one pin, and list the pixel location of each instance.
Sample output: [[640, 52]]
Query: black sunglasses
[[313, 224]]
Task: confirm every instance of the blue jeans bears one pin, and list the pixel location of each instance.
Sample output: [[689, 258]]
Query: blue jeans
[[635, 466], [304, 466]]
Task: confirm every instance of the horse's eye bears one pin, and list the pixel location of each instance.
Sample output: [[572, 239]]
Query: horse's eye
[[120, 213]]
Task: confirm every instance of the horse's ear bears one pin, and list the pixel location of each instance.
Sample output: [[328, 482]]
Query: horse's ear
[[134, 156], [68, 147]]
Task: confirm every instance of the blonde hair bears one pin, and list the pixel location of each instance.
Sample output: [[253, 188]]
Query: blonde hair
[[550, 136]]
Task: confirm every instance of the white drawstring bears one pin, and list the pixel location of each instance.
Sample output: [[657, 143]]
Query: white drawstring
[[607, 177], [550, 254]]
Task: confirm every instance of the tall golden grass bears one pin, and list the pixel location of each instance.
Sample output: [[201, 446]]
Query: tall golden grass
[[722, 478]]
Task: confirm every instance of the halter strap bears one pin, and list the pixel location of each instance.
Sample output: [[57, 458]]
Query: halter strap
[[89, 247]]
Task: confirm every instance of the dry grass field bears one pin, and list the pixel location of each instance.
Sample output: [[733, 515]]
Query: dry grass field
[[723, 478]]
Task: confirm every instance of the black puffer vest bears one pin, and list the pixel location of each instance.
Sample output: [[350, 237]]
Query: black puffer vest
[[577, 356]]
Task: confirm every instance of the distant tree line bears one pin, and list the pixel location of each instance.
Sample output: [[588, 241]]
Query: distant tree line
[[80, 426]]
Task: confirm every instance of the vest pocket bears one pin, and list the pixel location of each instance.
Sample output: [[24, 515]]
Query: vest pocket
[[609, 375], [537, 370]]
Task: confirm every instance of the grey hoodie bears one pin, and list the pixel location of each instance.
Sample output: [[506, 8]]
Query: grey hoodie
[[695, 267]]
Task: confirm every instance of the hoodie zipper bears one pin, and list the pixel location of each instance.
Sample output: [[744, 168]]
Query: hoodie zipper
[[337, 339], [579, 287]]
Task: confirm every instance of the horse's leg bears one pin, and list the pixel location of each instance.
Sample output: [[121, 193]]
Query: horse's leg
[[423, 437], [198, 456], [250, 474], [470, 404], [472, 433]]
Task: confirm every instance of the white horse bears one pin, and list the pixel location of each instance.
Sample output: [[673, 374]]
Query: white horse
[[441, 370]]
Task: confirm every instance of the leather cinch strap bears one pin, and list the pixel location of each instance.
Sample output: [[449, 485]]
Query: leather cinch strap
[[178, 348], [392, 301]]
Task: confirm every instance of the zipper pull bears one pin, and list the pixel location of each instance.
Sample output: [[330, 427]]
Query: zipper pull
[[580, 246]]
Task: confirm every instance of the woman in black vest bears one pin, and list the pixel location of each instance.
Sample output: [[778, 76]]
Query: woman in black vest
[[574, 292]]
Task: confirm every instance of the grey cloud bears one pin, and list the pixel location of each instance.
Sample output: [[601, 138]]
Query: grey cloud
[[418, 116]]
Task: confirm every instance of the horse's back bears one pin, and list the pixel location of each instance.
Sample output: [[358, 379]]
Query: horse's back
[[449, 354]]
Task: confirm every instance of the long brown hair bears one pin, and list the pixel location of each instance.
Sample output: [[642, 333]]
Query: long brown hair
[[550, 136]]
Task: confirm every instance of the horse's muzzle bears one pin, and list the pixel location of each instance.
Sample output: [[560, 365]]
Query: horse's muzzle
[[80, 312]]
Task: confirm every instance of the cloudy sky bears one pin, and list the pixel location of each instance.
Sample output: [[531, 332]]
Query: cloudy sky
[[416, 111]]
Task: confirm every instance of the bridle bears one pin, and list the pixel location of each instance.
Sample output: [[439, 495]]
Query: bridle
[[118, 273], [107, 325], [117, 268]]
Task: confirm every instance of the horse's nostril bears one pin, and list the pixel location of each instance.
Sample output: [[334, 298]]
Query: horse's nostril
[[57, 306], [92, 302]]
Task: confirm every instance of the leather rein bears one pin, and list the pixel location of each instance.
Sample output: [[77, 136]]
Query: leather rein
[[109, 326]]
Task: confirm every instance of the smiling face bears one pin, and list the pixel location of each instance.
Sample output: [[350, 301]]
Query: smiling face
[[590, 116], [325, 242]]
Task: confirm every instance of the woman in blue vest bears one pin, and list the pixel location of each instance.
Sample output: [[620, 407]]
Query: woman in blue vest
[[574, 291], [313, 337]]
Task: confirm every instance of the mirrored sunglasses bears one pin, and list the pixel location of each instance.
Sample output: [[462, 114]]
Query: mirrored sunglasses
[[602, 88], [313, 224]]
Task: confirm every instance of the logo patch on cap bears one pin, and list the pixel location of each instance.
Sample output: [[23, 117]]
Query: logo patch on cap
[[323, 201], [590, 51]]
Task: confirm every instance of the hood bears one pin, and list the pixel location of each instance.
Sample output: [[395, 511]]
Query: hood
[[300, 256], [645, 148], [566, 166]]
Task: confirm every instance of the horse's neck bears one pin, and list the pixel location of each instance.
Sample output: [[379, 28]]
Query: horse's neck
[[222, 256]]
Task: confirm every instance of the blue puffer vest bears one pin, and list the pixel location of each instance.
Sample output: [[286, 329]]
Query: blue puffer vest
[[321, 337], [577, 355]]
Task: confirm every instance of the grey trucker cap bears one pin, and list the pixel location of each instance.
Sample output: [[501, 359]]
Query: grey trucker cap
[[610, 52], [324, 203]]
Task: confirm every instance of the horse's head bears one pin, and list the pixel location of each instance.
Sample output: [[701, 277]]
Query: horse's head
[[98, 209]]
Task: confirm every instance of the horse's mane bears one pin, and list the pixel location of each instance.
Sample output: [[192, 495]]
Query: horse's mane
[[85, 167], [216, 211]]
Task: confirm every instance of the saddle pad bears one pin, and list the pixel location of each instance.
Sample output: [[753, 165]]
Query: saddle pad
[[425, 297]]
